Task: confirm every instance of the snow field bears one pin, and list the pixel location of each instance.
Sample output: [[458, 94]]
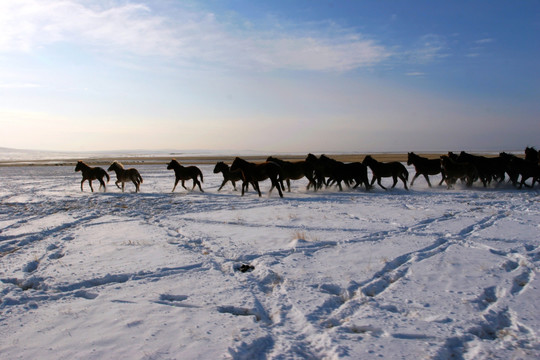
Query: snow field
[[426, 273]]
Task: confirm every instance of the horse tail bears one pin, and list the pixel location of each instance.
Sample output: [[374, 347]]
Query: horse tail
[[107, 175], [200, 174], [139, 177]]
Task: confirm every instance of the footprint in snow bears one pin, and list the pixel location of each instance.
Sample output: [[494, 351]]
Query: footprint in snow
[[86, 295], [174, 300], [31, 266], [56, 255]]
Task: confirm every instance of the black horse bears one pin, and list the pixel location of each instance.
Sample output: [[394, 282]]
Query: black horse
[[454, 170], [252, 173], [294, 171], [531, 154], [185, 173], [425, 167], [393, 169], [228, 175]]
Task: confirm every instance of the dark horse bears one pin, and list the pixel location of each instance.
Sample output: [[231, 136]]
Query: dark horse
[[253, 173], [454, 170], [124, 175], [324, 167], [488, 168], [185, 173], [532, 155], [338, 172], [294, 170], [393, 169], [228, 175], [92, 173], [516, 166], [425, 166]]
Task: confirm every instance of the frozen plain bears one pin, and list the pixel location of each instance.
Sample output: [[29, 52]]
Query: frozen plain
[[428, 273]]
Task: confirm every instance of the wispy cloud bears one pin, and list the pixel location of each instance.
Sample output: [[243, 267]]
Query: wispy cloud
[[485, 41], [188, 36], [415, 73], [428, 48]]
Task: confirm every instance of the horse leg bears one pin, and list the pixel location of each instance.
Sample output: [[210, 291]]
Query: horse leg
[[90, 182], [379, 182], [184, 185], [276, 183], [118, 186], [175, 183], [256, 186], [82, 184], [311, 183], [123, 184], [394, 177], [405, 181], [136, 185], [373, 180], [102, 183], [427, 179], [198, 183], [414, 178], [222, 184]]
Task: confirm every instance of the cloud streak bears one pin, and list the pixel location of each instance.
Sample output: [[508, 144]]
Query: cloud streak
[[190, 37]]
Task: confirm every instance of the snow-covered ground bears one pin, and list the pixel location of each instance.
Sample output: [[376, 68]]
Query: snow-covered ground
[[420, 274]]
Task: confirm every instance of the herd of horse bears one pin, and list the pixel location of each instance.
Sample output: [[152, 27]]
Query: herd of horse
[[324, 171]]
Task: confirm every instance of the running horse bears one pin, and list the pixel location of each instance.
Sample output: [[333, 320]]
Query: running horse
[[294, 170], [425, 166], [252, 173], [92, 173], [228, 175], [393, 169], [454, 170], [125, 175], [185, 173]]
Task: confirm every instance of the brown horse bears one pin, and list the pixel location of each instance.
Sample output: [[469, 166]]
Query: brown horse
[[294, 171], [228, 175], [458, 170], [253, 173], [185, 173], [425, 167], [92, 173], [393, 169], [125, 175]]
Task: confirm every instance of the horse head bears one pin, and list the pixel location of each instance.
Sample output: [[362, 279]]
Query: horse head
[[172, 164], [115, 166], [411, 157], [311, 158], [221, 167], [368, 160], [237, 163], [79, 166], [531, 154]]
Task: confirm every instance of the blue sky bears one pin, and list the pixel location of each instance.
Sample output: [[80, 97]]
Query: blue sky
[[271, 76]]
